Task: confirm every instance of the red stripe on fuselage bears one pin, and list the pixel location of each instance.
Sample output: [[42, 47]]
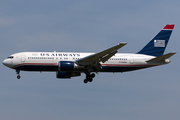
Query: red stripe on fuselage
[[119, 65]]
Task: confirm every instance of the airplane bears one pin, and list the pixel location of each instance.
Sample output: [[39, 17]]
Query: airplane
[[72, 64]]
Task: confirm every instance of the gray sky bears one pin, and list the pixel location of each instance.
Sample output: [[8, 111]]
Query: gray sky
[[88, 26]]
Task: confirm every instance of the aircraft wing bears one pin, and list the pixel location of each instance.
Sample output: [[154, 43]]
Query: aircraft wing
[[100, 56]]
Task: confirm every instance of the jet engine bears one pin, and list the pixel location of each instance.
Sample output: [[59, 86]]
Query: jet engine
[[68, 66]]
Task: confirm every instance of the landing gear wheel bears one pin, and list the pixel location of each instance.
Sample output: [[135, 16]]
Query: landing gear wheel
[[17, 72], [90, 79], [92, 75], [85, 81], [18, 77]]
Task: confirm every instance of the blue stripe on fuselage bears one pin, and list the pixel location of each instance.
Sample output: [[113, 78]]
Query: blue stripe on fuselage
[[55, 68]]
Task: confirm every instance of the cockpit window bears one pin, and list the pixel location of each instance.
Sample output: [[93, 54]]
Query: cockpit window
[[11, 57]]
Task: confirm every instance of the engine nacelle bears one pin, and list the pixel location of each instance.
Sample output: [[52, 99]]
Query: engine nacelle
[[68, 66], [67, 74]]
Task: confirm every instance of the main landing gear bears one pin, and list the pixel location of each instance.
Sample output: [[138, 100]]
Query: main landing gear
[[89, 77], [18, 72]]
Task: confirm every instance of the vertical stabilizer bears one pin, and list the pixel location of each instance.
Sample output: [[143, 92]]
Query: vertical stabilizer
[[157, 45]]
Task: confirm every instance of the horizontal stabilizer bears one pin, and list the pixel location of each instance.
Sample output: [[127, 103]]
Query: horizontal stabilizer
[[161, 58]]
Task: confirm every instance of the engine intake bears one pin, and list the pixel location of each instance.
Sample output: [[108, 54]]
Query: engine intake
[[68, 66]]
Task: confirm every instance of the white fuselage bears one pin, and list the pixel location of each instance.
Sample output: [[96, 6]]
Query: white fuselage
[[48, 61]]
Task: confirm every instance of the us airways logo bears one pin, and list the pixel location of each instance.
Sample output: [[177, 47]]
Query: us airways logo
[[159, 43], [60, 54]]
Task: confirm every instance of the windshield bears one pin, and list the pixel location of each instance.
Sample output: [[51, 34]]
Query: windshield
[[10, 57]]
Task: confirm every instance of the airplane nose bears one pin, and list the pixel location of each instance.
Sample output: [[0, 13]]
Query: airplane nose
[[4, 62], [8, 63]]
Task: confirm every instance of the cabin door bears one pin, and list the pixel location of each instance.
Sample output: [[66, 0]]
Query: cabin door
[[22, 58], [131, 60]]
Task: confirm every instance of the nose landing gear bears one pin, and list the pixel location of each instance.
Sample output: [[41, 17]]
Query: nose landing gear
[[18, 77], [18, 72]]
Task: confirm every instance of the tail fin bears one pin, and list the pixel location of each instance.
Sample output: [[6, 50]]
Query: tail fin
[[158, 44]]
